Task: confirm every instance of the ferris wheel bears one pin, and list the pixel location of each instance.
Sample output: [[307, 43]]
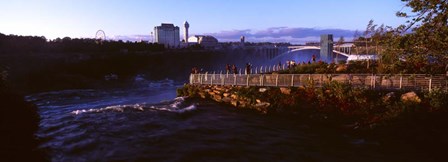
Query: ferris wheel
[[100, 36]]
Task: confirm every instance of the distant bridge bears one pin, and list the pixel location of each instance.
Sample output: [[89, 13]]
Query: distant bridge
[[300, 48]]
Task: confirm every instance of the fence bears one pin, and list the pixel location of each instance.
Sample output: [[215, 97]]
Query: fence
[[376, 81]]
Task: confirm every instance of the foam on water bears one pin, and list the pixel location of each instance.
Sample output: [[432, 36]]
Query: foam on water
[[177, 105]]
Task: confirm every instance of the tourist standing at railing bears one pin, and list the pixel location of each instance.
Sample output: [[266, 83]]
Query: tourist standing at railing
[[248, 68], [314, 58], [227, 68], [194, 70], [234, 69]]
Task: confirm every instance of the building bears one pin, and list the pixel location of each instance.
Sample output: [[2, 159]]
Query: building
[[326, 47], [168, 35], [205, 41], [186, 26], [242, 39]]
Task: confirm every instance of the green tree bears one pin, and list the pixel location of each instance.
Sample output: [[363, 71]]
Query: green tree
[[428, 24]]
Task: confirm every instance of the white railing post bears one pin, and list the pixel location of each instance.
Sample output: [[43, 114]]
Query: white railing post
[[401, 81], [374, 81], [430, 83], [321, 79], [200, 78], [292, 80], [234, 79], [223, 79], [276, 80], [349, 78], [211, 79], [261, 80]]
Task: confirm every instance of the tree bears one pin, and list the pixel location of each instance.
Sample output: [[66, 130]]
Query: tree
[[429, 25]]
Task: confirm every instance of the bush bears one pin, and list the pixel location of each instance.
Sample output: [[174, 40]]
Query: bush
[[437, 99]]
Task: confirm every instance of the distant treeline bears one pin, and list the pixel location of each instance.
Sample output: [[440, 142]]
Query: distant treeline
[[14, 43]]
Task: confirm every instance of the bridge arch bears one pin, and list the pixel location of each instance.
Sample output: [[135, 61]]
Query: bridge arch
[[315, 48], [304, 54]]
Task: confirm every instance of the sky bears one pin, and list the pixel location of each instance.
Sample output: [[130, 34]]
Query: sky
[[258, 20]]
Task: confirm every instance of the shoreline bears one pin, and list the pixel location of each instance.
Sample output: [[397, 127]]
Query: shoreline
[[354, 106]]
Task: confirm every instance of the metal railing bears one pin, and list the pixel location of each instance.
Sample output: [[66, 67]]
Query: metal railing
[[373, 81]]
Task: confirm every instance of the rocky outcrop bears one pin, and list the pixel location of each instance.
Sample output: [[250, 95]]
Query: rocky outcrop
[[410, 97], [286, 91], [228, 95]]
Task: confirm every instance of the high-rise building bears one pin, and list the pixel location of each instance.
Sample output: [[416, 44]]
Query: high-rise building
[[186, 26], [168, 35], [326, 47]]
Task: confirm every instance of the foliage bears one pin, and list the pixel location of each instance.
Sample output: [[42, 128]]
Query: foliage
[[3, 78], [318, 67], [362, 67], [419, 46], [14, 43], [437, 99], [188, 90]]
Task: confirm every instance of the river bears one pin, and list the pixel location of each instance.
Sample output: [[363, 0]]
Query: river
[[149, 123]]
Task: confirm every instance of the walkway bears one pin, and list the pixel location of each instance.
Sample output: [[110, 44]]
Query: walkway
[[377, 81]]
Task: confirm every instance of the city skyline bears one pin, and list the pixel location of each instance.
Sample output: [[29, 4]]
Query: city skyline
[[266, 21]]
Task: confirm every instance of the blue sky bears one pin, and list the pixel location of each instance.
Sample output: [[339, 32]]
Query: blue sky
[[259, 20]]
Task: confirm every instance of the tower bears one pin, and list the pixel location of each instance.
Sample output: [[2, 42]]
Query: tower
[[186, 26], [326, 47]]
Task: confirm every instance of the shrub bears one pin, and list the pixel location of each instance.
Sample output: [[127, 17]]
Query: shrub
[[437, 99]]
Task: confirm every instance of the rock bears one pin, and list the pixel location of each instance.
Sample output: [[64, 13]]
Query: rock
[[226, 99], [286, 91], [258, 100], [410, 97], [217, 92], [341, 68], [262, 107], [262, 90], [217, 98], [211, 93], [202, 94], [242, 104], [234, 103], [234, 96], [388, 96], [302, 87], [226, 94], [207, 90]]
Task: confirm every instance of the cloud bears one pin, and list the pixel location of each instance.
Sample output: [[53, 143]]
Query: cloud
[[131, 38], [273, 34], [231, 34], [282, 34]]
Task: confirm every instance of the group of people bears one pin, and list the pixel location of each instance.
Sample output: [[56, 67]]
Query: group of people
[[292, 63], [195, 70], [233, 69]]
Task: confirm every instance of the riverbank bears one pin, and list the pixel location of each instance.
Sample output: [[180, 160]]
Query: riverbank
[[352, 106], [19, 123]]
